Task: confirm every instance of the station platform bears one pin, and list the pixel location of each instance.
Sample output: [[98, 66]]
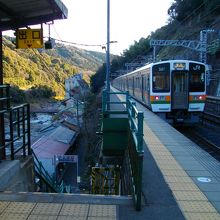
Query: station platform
[[180, 180], [52, 206]]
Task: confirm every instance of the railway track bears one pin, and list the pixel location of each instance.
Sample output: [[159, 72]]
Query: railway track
[[211, 113], [207, 134], [206, 137]]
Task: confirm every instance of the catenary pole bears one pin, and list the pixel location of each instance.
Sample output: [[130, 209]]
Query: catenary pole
[[108, 54]]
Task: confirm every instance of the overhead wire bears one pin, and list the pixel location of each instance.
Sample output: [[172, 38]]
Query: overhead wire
[[79, 44], [74, 43]]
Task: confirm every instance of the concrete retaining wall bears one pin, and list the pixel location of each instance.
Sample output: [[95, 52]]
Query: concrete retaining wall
[[17, 175]]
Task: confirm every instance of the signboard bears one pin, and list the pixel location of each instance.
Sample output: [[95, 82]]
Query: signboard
[[161, 68], [29, 38], [179, 66], [66, 159]]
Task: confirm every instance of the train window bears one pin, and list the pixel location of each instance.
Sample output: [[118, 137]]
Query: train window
[[161, 78], [196, 77]]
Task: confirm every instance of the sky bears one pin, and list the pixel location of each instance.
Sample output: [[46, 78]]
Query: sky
[[129, 21]]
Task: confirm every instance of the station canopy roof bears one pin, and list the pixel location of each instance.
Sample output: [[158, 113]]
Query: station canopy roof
[[22, 13]]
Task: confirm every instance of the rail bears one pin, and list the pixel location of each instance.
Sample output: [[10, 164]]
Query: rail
[[106, 180], [212, 105], [134, 150], [15, 135], [44, 176], [4, 97], [107, 104], [15, 127], [136, 124], [211, 112]]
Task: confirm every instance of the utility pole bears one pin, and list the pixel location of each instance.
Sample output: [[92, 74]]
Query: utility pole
[[204, 41], [108, 55]]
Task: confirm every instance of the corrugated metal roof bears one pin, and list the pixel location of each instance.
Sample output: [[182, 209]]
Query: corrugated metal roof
[[56, 143], [21, 13]]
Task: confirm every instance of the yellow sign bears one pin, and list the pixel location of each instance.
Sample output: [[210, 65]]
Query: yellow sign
[[29, 38], [179, 66]]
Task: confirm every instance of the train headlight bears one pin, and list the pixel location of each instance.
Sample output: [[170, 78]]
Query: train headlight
[[197, 98], [200, 97], [160, 98]]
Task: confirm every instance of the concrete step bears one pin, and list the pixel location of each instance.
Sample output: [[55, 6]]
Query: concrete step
[[65, 198], [8, 169], [17, 175]]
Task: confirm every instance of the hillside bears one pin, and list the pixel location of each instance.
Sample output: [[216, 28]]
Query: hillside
[[187, 20], [47, 68]]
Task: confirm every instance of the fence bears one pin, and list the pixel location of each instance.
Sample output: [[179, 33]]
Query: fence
[[134, 151], [15, 127]]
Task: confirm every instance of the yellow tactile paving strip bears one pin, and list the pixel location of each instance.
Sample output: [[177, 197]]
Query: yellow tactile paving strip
[[55, 211], [191, 200]]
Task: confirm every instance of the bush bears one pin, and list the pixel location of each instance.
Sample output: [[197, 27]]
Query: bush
[[41, 92], [17, 95]]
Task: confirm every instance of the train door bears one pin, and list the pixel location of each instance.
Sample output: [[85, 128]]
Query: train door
[[180, 90], [148, 89], [133, 85], [142, 87]]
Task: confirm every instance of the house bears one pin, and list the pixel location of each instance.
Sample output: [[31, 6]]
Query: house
[[76, 87]]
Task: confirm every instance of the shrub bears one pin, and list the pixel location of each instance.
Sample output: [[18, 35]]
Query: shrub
[[17, 95]]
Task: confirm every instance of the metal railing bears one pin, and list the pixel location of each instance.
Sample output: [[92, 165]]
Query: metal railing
[[15, 127], [135, 144], [212, 105], [15, 133], [120, 107], [4, 97], [136, 124], [105, 180], [135, 150], [44, 176], [211, 114]]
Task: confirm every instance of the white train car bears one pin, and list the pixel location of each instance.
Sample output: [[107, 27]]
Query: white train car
[[175, 88]]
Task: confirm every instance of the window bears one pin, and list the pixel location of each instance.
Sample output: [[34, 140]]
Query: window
[[161, 78], [196, 77]]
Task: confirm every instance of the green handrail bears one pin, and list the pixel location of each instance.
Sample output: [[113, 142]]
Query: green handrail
[[105, 102], [136, 124], [44, 175], [135, 146]]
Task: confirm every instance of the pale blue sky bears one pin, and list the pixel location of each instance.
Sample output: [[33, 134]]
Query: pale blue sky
[[130, 20]]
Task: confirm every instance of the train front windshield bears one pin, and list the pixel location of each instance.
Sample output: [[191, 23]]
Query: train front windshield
[[196, 77], [161, 78]]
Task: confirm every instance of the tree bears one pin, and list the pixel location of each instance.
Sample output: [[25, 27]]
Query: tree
[[98, 79], [180, 9]]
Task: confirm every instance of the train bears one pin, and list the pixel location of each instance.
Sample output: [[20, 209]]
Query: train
[[175, 89]]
